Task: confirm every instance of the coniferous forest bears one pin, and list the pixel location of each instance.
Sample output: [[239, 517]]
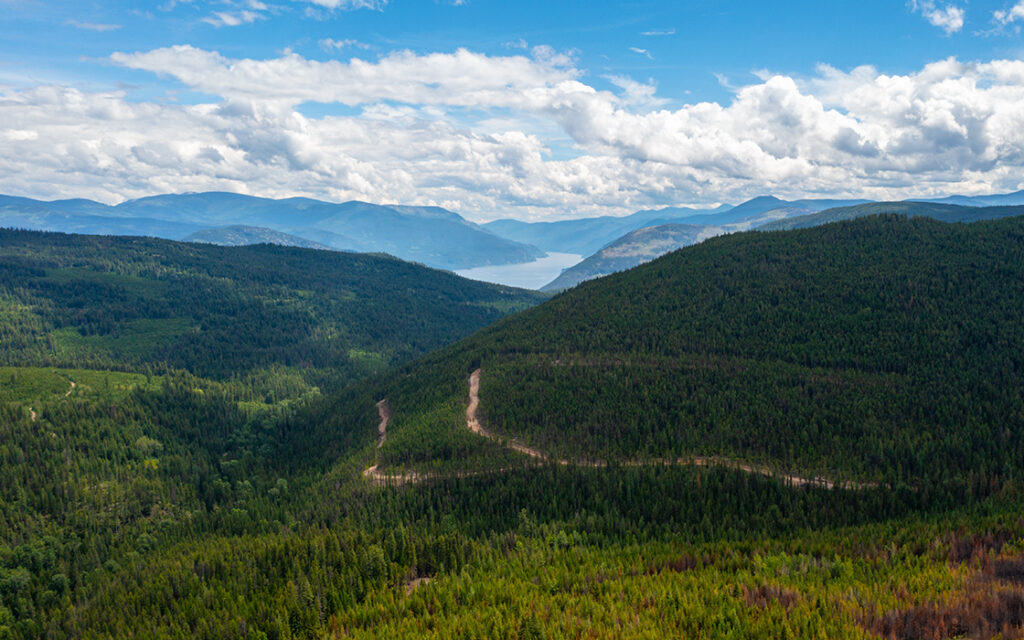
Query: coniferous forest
[[793, 434]]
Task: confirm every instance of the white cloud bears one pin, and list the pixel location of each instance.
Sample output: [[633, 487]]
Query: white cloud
[[659, 32], [463, 78], [642, 52], [330, 44], [232, 18], [519, 135], [92, 26], [949, 18], [350, 5], [1013, 14]]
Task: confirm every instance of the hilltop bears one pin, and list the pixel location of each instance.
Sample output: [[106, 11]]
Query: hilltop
[[833, 350], [116, 302]]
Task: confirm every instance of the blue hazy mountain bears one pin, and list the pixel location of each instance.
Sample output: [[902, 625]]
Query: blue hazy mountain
[[935, 210], [632, 249], [998, 200], [67, 216], [586, 236], [242, 235], [429, 235], [764, 213]]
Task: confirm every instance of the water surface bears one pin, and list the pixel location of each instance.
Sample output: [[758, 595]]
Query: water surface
[[528, 275]]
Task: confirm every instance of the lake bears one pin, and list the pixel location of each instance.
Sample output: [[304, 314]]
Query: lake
[[528, 275]]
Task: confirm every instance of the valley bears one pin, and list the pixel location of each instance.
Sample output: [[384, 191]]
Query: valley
[[760, 432]]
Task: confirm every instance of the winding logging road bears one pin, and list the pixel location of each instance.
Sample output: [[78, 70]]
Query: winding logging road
[[473, 424], [35, 416]]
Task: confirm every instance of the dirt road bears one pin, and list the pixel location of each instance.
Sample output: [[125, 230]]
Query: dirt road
[[384, 411], [380, 478], [474, 424]]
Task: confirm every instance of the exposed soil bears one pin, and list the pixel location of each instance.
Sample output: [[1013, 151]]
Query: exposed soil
[[384, 411], [474, 424], [412, 585], [378, 477]]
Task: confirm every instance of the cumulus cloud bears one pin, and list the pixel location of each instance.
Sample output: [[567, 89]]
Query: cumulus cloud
[[1013, 14], [516, 135], [949, 18], [463, 78]]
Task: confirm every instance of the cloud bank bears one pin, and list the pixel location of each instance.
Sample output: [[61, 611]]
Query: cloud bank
[[520, 135]]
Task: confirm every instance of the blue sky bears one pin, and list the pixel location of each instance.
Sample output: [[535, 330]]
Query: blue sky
[[537, 110]]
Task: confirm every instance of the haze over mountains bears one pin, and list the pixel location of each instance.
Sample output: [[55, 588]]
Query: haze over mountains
[[444, 239], [430, 235], [767, 213]]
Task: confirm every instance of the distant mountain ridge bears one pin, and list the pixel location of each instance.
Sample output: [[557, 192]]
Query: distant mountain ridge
[[441, 238], [936, 210], [242, 235], [632, 249], [589, 235], [430, 235], [996, 200], [767, 213]]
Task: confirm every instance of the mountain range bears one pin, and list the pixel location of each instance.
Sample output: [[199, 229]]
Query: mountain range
[[440, 238], [767, 213], [429, 235]]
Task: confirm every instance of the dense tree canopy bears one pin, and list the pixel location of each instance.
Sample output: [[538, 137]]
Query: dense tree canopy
[[193, 482]]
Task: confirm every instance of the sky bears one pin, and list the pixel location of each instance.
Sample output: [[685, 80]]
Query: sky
[[537, 110]]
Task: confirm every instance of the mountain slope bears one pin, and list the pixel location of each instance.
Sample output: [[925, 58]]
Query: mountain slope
[[864, 349], [996, 200], [634, 248], [936, 211], [90, 217], [589, 235], [221, 311], [886, 350], [666, 233], [430, 235], [241, 235]]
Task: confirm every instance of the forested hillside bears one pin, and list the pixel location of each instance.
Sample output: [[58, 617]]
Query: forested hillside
[[147, 388], [804, 434], [880, 350], [241, 235], [127, 303]]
